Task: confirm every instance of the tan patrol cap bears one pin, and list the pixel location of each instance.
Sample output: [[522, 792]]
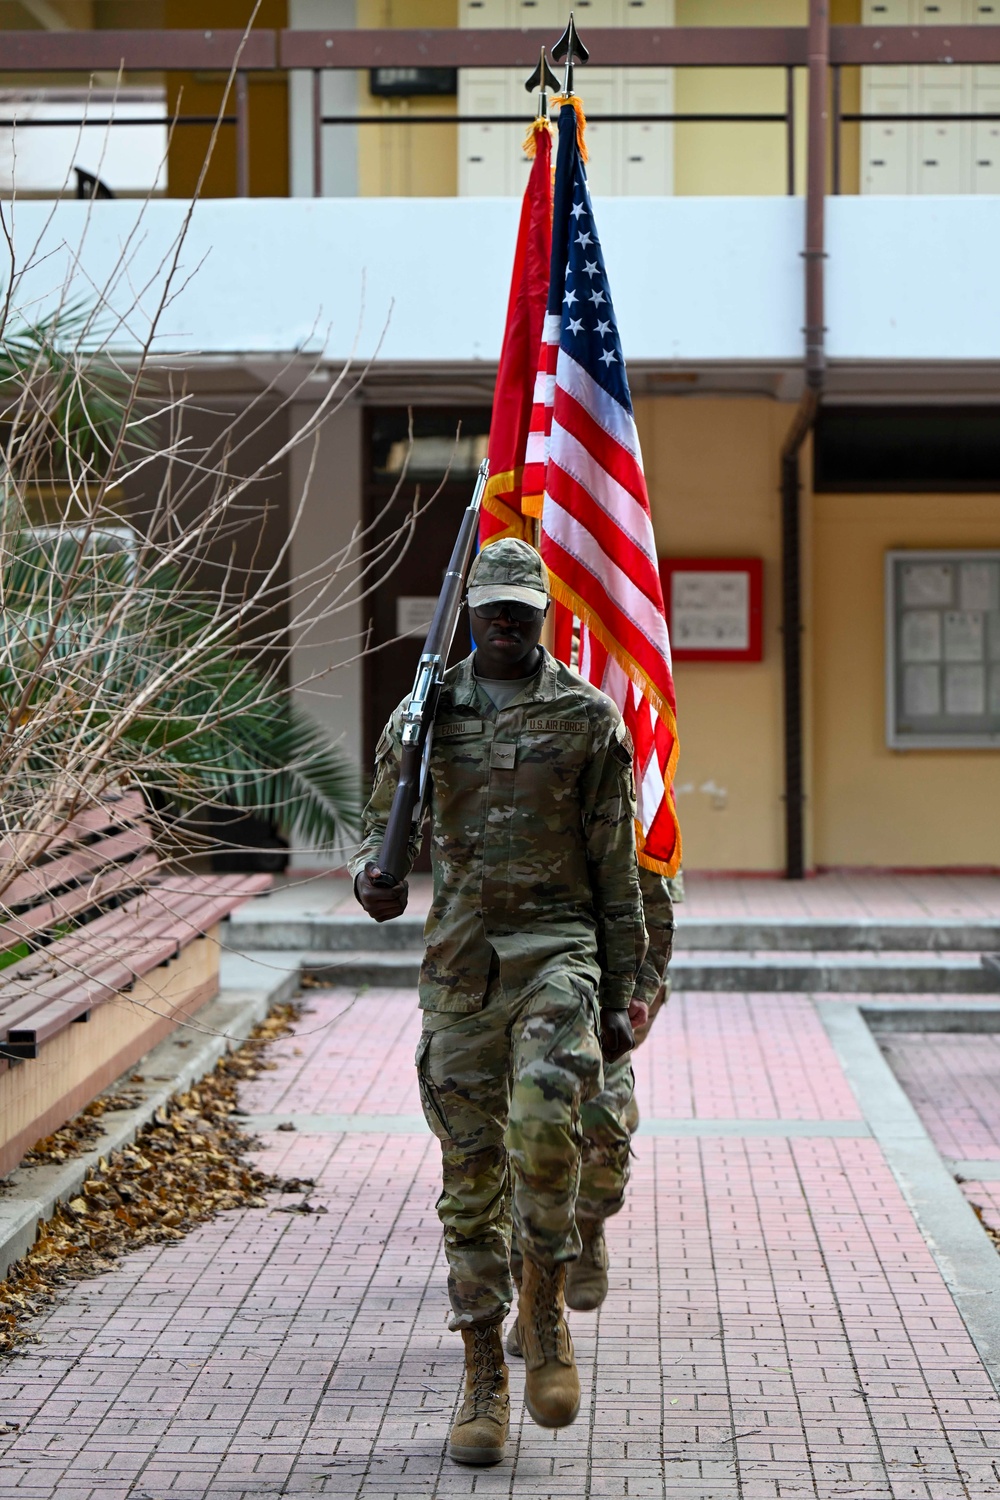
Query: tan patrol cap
[[508, 569]]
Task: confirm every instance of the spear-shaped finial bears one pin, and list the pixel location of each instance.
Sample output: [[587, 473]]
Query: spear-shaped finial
[[542, 79], [570, 47]]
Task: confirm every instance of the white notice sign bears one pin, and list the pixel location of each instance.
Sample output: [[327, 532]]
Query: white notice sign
[[964, 690], [978, 586], [920, 635], [414, 613], [921, 692], [927, 583], [710, 611], [963, 635]]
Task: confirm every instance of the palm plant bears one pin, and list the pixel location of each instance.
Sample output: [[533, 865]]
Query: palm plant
[[88, 663], [114, 668]]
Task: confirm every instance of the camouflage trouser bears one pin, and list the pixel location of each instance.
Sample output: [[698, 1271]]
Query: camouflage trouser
[[606, 1144], [503, 1090]]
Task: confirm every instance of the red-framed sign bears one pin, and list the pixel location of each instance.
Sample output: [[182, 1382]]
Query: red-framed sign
[[714, 607]]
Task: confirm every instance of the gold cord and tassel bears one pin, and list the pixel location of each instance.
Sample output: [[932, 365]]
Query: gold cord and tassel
[[530, 146], [576, 104]]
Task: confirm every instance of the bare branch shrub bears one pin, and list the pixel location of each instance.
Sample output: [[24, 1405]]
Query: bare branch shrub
[[119, 668]]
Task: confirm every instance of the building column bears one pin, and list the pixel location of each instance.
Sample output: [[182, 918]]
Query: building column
[[326, 682]]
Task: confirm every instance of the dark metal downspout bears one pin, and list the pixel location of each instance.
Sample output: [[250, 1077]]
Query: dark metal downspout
[[815, 369]]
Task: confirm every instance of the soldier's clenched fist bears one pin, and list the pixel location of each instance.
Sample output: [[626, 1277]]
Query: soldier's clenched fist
[[383, 902], [616, 1034]]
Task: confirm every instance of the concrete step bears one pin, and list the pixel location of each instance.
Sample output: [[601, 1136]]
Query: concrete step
[[253, 927], [830, 972]]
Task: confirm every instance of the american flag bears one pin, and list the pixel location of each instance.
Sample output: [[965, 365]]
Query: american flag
[[583, 474]]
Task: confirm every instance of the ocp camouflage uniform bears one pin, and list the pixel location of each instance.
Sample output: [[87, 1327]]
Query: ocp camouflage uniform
[[607, 1138], [536, 922]]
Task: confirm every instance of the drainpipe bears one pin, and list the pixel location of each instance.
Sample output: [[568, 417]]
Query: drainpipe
[[805, 416]]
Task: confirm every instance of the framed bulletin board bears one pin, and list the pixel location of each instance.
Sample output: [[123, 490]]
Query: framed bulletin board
[[942, 649], [714, 607]]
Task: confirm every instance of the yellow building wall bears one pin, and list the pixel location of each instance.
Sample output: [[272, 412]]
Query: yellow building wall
[[394, 161], [202, 93], [746, 159], [751, 159], [848, 13], [712, 469], [873, 806]]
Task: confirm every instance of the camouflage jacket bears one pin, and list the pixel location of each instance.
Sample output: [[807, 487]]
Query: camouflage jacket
[[532, 838], [658, 912]]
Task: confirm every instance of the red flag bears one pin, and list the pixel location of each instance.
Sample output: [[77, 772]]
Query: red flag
[[501, 513]]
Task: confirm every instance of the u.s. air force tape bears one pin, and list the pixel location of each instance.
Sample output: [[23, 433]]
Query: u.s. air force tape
[[556, 726]]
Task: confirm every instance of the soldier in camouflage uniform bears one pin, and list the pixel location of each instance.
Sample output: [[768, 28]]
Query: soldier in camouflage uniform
[[533, 944], [611, 1118]]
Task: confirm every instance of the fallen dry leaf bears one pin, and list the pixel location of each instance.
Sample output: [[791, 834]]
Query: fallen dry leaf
[[183, 1167]]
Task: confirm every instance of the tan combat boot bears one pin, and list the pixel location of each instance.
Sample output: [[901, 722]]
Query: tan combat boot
[[481, 1427], [587, 1278], [551, 1383]]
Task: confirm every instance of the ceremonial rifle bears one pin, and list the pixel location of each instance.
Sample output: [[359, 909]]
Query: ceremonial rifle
[[418, 716]]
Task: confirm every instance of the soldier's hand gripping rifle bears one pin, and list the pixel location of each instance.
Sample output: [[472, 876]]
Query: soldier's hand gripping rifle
[[418, 717]]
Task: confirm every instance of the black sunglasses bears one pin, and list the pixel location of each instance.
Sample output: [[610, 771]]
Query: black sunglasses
[[521, 614]]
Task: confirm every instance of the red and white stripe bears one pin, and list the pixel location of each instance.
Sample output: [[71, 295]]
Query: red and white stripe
[[536, 453], [583, 457]]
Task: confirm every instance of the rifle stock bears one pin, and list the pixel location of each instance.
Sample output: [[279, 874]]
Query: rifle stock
[[418, 717]]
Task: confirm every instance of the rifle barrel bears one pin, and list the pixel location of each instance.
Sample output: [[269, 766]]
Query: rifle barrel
[[418, 717]]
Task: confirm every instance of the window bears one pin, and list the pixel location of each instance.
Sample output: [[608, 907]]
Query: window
[[942, 650], [907, 448]]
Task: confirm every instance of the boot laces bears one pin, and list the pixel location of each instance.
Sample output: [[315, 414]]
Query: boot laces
[[485, 1371], [546, 1311]]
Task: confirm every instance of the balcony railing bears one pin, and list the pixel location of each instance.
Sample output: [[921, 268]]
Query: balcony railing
[[261, 52]]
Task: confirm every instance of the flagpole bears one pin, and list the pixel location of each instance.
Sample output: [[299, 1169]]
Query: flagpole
[[543, 79]]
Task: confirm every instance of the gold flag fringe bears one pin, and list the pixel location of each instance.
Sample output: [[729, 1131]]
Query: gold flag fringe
[[514, 523], [530, 144], [660, 866], [575, 103]]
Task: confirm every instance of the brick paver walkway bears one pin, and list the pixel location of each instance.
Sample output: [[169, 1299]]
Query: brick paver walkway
[[777, 1326]]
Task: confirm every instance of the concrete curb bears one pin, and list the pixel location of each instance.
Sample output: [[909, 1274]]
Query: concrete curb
[[30, 1196], [960, 1246], [975, 1015], [754, 973], [256, 927]]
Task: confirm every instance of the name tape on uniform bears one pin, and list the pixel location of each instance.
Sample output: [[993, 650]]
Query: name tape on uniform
[[464, 726]]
